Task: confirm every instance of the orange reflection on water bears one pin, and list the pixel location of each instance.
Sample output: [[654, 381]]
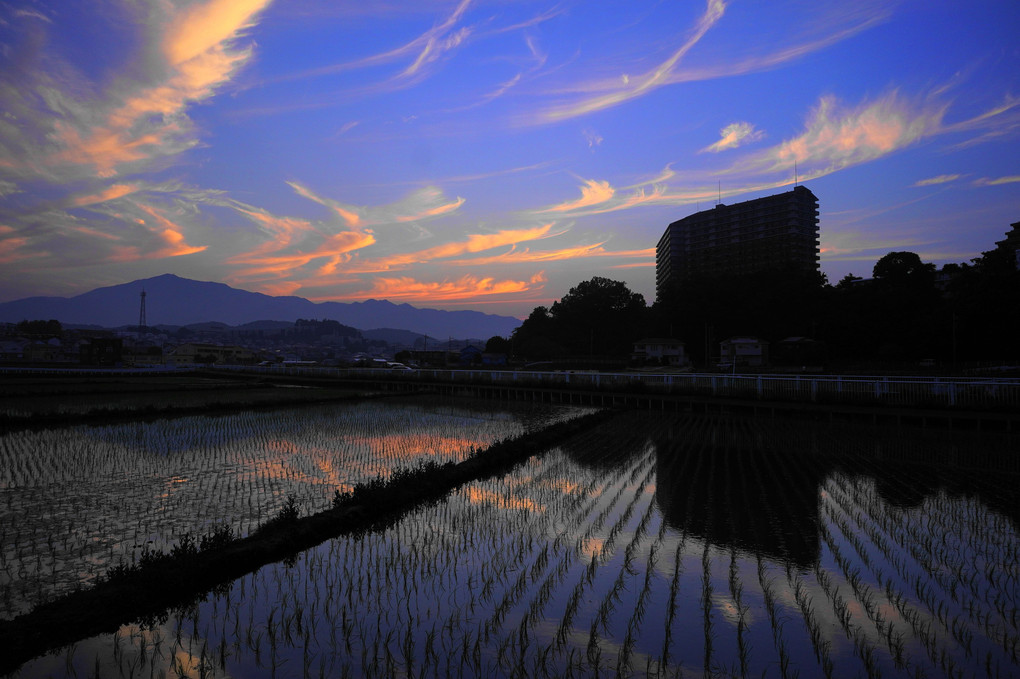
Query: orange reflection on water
[[481, 496], [172, 484], [565, 486], [407, 446], [592, 547]]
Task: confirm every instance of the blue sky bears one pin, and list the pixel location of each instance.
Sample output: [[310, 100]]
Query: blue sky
[[487, 155]]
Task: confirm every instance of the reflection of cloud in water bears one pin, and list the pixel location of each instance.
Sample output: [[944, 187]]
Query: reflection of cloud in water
[[565, 486], [593, 548], [729, 611], [133, 650], [477, 495]]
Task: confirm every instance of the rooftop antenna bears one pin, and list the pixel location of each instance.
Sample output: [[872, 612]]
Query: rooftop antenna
[[720, 193], [141, 315], [796, 176]]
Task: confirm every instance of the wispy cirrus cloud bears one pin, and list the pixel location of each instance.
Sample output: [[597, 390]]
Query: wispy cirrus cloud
[[465, 288], [998, 181], [838, 136], [118, 224], [935, 181], [168, 237], [472, 244], [112, 192], [593, 192], [599, 197], [65, 130], [423, 53], [835, 136], [804, 36], [633, 86], [734, 135], [422, 56], [14, 247], [420, 205], [527, 256]]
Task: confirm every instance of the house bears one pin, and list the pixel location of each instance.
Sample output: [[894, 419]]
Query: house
[[800, 352], [190, 354], [12, 350], [658, 351], [749, 352], [101, 351]]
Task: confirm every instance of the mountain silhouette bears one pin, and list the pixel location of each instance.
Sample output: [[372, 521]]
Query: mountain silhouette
[[172, 300]]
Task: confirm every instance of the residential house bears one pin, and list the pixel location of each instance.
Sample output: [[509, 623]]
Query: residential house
[[748, 352], [658, 351]]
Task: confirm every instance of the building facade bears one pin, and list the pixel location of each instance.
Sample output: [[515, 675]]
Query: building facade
[[659, 351], [774, 232]]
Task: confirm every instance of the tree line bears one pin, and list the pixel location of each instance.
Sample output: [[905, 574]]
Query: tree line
[[908, 312]]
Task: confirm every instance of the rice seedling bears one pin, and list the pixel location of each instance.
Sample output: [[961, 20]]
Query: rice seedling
[[599, 557], [80, 500]]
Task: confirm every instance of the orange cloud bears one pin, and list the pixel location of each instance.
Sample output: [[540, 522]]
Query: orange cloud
[[284, 264], [732, 136], [579, 252], [12, 249], [592, 193], [112, 193], [464, 288], [102, 148], [173, 239], [837, 137], [474, 243], [634, 265], [613, 202], [203, 28], [527, 256], [147, 119], [282, 230], [425, 203], [280, 288], [349, 213], [432, 212]]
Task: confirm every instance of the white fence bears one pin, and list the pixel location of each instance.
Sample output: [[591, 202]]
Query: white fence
[[999, 394], [903, 391]]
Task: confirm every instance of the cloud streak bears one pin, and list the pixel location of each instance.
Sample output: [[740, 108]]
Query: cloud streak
[[632, 87], [935, 181], [465, 288], [141, 115], [734, 135], [836, 136]]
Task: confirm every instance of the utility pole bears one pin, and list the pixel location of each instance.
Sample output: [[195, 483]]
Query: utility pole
[[141, 315]]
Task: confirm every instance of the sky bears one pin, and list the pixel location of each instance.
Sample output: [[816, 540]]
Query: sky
[[487, 154]]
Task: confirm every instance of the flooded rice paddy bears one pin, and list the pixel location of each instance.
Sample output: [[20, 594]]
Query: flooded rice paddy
[[75, 501], [654, 545]]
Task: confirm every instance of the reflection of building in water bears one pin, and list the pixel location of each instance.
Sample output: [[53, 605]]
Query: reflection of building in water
[[753, 483], [722, 481], [910, 465]]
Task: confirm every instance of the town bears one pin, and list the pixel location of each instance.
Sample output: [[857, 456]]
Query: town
[[737, 287]]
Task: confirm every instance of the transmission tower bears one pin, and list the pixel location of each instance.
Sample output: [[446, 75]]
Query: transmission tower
[[141, 315]]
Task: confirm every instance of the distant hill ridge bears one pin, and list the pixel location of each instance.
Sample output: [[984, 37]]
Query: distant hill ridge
[[172, 300]]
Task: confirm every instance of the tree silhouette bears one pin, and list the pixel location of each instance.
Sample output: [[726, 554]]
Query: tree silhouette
[[597, 318]]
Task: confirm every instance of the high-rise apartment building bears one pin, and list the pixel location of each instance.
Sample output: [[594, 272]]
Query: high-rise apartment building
[[775, 232]]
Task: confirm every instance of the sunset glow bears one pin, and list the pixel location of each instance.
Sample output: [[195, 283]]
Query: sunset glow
[[469, 153]]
